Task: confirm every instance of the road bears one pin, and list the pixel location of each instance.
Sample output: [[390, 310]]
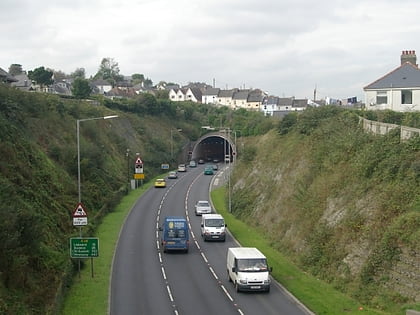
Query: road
[[145, 280]]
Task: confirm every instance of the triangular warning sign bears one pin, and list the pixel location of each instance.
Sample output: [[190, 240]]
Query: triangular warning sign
[[139, 161], [79, 211]]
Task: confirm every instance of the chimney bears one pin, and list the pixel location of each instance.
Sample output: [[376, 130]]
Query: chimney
[[410, 56]]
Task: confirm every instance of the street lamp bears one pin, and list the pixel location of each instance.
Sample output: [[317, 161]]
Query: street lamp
[[172, 141], [78, 147]]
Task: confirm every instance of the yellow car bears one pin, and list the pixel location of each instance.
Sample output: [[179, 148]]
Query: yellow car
[[160, 182]]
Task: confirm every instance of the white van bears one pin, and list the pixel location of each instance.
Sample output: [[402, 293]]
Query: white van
[[248, 270], [213, 227]]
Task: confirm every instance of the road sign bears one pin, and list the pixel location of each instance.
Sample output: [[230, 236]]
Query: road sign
[[139, 161], [84, 247], [138, 176], [80, 221], [79, 215], [79, 211], [164, 166]]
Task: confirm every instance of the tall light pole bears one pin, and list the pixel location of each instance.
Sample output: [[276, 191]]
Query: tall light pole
[[78, 147], [172, 141]]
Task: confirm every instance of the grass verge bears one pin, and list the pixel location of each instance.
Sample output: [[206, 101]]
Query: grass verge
[[318, 296], [89, 295]]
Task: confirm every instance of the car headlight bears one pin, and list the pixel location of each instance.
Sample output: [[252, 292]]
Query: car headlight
[[242, 281]]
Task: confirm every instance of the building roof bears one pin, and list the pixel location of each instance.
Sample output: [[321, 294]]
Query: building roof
[[211, 91], [241, 95], [406, 75], [6, 77], [227, 93]]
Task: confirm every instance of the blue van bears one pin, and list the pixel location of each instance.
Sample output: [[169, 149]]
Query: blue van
[[175, 234]]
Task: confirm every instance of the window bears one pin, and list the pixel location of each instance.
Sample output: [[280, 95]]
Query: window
[[406, 97], [381, 97]]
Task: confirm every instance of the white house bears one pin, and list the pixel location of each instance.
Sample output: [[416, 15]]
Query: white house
[[210, 96], [399, 90]]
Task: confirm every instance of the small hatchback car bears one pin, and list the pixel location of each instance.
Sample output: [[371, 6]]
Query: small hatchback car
[[160, 183], [202, 206]]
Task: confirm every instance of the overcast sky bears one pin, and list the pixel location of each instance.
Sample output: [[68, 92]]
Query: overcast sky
[[284, 47]]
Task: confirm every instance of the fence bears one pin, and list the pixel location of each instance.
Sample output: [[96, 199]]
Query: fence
[[381, 128]]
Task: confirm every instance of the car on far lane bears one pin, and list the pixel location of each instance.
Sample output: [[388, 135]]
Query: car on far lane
[[160, 183], [202, 207], [172, 175], [208, 170], [182, 168]]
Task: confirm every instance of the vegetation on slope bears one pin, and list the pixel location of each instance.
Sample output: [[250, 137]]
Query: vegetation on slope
[[342, 203]]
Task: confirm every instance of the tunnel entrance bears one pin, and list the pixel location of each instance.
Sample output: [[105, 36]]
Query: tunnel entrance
[[215, 147]]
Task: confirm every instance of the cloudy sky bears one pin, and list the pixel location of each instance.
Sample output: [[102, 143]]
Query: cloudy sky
[[284, 47]]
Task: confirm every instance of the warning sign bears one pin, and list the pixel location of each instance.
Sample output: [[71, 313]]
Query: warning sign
[[79, 215], [79, 211]]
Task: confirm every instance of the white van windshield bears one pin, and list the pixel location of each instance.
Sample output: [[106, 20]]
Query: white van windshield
[[215, 222], [252, 265]]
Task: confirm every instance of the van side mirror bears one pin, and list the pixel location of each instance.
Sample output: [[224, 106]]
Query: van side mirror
[[160, 228], [270, 269], [233, 269], [202, 225]]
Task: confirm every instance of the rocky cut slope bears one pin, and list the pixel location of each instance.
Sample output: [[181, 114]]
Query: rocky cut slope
[[343, 204]]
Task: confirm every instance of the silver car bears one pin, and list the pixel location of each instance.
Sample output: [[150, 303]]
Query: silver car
[[202, 207]]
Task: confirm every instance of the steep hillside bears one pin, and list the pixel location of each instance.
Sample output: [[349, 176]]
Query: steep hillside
[[343, 204]]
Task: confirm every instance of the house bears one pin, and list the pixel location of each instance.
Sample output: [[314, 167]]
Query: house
[[225, 97], [22, 82], [102, 86], [177, 95], [6, 77], [193, 94], [210, 96], [399, 90], [240, 99], [255, 99]]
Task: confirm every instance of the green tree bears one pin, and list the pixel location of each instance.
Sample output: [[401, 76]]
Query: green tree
[[79, 73], [137, 78], [41, 76], [80, 88], [15, 69], [109, 70]]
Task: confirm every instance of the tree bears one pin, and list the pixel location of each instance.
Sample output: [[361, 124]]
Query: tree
[[109, 70], [15, 69], [79, 73], [81, 88], [59, 75], [41, 76]]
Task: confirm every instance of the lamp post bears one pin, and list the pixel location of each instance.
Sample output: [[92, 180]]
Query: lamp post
[[172, 141], [78, 147]]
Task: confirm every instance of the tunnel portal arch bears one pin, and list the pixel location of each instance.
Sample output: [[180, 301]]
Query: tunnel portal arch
[[215, 146]]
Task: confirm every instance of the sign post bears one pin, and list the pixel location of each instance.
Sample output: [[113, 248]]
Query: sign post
[[138, 169]]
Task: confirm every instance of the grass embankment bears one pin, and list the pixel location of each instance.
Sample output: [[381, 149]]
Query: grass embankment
[[318, 296]]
